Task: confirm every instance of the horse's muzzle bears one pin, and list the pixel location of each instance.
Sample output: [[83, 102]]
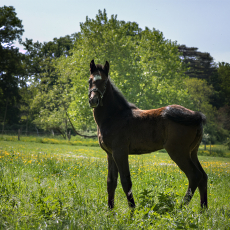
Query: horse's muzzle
[[94, 101]]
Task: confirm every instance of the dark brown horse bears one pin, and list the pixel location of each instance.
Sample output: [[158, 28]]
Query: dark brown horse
[[123, 129]]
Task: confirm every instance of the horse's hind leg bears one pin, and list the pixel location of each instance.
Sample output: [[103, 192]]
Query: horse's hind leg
[[194, 175], [203, 182], [111, 180]]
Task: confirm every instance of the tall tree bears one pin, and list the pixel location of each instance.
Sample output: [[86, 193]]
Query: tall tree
[[11, 68], [11, 27], [201, 65], [223, 87], [224, 77], [162, 72], [200, 92], [40, 55], [52, 97], [51, 104]]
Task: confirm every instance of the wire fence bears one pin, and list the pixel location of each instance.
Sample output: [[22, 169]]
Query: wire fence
[[29, 133], [50, 134], [33, 130]]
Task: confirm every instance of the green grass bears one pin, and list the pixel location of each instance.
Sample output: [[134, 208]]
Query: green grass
[[75, 140], [62, 186]]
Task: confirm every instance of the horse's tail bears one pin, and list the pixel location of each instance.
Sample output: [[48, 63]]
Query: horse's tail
[[184, 116]]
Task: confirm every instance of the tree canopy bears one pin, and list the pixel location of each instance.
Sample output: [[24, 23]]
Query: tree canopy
[[11, 66], [11, 27], [200, 65]]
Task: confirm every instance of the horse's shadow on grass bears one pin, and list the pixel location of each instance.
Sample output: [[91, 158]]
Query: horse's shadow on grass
[[161, 203]]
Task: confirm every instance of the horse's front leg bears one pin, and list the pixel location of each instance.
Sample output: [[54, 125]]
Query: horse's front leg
[[111, 180], [121, 159]]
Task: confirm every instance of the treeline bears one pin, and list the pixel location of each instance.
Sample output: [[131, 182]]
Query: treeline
[[47, 86]]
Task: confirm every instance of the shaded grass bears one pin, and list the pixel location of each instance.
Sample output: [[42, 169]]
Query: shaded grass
[[213, 150], [52, 186], [75, 140]]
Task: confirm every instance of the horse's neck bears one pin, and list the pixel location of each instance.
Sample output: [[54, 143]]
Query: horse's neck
[[111, 106]]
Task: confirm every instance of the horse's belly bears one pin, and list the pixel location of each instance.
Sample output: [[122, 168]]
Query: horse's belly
[[146, 137], [141, 147]]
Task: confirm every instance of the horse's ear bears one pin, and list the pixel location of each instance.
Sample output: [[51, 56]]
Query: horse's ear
[[106, 67], [92, 66]]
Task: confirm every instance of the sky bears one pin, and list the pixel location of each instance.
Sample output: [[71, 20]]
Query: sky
[[195, 23]]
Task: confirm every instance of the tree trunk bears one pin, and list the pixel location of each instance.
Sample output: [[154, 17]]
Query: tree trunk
[[19, 134], [66, 130], [5, 115], [76, 130], [69, 135], [26, 125]]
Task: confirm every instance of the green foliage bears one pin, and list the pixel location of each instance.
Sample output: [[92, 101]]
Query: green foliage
[[161, 72], [224, 76], [49, 92], [52, 102], [221, 85], [52, 96], [200, 93], [11, 26], [40, 55], [210, 95], [200, 65], [12, 71]]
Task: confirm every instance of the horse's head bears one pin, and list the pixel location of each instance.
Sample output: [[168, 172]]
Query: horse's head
[[97, 83]]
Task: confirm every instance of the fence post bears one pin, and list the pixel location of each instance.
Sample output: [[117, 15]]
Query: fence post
[[18, 134], [69, 135], [210, 148]]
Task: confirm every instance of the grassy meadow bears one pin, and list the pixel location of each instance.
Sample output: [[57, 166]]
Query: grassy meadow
[[62, 185]]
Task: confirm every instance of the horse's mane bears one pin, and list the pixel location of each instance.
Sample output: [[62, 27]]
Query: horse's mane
[[120, 97], [116, 92]]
